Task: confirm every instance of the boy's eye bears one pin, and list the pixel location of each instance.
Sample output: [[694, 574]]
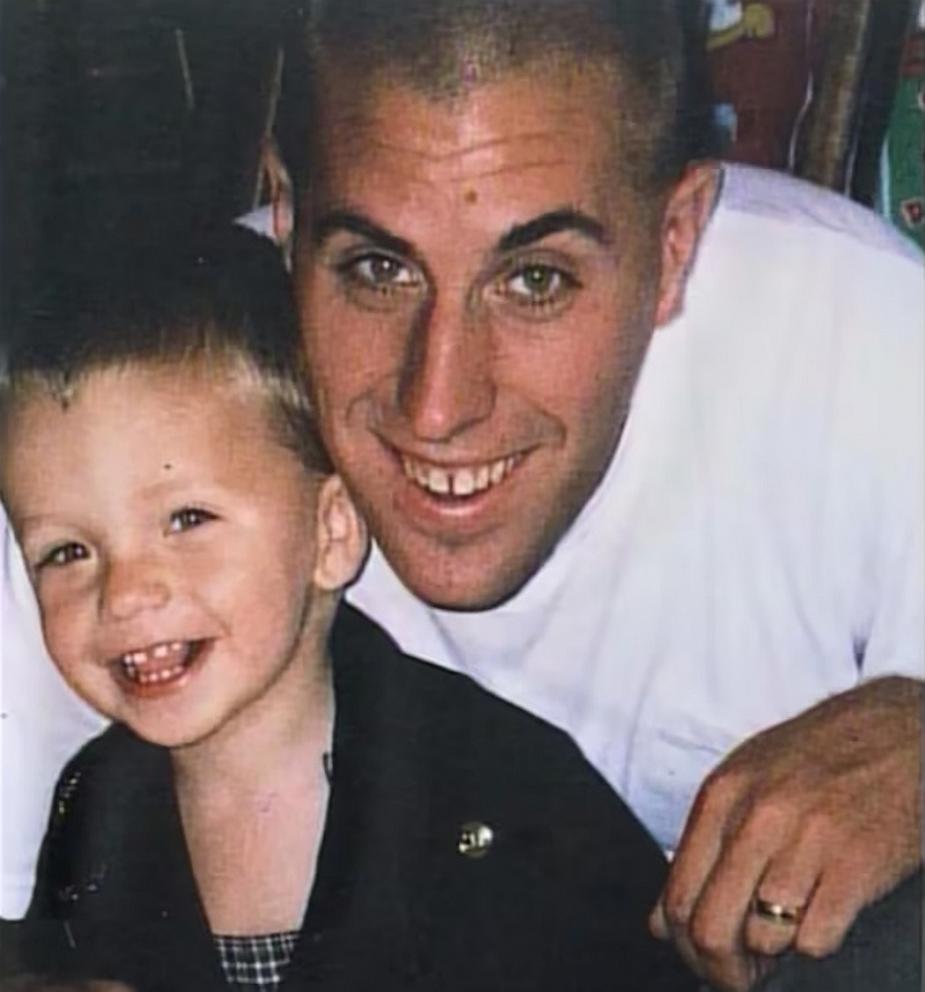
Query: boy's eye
[[187, 518], [64, 554]]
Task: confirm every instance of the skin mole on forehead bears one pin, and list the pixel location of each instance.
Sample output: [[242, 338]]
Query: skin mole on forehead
[[167, 466], [471, 197]]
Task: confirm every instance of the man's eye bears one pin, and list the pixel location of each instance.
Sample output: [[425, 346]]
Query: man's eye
[[538, 284], [380, 272], [187, 518], [64, 554]]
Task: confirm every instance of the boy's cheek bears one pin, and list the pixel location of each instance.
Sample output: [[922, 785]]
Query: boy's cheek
[[62, 627]]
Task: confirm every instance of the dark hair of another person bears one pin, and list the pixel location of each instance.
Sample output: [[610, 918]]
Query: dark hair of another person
[[223, 302], [442, 47]]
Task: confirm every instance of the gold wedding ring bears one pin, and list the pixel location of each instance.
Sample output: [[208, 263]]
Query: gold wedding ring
[[777, 912]]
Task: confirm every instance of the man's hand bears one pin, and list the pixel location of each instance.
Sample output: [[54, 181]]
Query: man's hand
[[820, 815]]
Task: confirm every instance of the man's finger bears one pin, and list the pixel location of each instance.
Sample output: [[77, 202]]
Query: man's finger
[[660, 927], [700, 847], [771, 927], [658, 922], [709, 823], [717, 923], [783, 896], [839, 897]]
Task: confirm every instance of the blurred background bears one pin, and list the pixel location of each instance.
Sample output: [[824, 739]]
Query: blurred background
[[110, 108]]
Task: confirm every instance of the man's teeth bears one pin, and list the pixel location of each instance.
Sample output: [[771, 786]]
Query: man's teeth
[[458, 481], [139, 666]]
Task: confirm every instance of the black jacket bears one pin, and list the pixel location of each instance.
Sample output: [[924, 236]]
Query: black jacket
[[558, 900]]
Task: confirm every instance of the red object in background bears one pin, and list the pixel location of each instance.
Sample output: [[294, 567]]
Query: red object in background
[[760, 62]]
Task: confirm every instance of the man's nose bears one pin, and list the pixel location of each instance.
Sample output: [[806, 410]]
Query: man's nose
[[132, 586], [446, 381]]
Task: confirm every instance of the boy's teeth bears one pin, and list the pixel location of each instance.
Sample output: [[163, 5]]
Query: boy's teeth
[[139, 665], [462, 481], [161, 675]]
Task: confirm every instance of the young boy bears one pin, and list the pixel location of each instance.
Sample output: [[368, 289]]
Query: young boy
[[274, 806]]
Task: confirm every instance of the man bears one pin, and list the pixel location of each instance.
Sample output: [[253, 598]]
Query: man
[[495, 208]]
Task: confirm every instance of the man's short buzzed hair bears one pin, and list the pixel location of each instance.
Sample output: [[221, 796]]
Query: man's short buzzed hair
[[442, 48]]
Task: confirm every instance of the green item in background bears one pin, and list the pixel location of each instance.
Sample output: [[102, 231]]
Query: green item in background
[[902, 186]]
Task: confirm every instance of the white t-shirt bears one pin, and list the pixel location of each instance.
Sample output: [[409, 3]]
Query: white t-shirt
[[757, 542], [756, 545]]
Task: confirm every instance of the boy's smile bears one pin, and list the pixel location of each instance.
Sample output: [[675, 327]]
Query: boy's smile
[[161, 664], [171, 539]]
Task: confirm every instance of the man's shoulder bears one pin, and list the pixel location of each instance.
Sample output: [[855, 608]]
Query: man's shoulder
[[774, 199], [790, 272]]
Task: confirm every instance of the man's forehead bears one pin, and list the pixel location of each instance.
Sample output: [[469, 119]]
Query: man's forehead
[[518, 122]]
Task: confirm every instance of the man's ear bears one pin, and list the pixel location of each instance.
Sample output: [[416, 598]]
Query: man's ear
[[281, 197], [689, 208], [340, 536]]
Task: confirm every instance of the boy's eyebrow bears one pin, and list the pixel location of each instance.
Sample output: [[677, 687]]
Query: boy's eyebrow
[[33, 520], [552, 222], [28, 526], [356, 223]]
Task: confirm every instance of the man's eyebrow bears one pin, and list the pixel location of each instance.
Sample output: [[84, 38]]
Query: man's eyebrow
[[346, 220], [541, 227]]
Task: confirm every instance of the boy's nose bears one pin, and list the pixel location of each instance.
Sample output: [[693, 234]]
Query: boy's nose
[[131, 587], [446, 381]]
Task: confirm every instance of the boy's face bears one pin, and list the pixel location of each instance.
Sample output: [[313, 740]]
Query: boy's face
[[175, 548]]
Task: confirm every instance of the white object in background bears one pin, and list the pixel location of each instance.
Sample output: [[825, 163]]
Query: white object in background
[[42, 723]]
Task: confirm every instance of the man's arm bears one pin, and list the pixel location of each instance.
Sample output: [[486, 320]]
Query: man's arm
[[822, 814]]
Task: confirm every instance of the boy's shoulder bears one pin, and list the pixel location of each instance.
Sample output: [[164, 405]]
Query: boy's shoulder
[[113, 786], [501, 819], [469, 740], [423, 698], [113, 775], [115, 760]]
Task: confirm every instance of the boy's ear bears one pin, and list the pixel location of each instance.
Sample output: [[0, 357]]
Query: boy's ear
[[281, 197], [340, 537]]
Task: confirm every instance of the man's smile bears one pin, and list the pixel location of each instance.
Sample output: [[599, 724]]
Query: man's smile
[[458, 480]]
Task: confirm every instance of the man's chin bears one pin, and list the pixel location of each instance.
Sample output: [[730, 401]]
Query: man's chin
[[465, 580]]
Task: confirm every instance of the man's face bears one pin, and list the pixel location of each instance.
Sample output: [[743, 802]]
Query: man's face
[[478, 284]]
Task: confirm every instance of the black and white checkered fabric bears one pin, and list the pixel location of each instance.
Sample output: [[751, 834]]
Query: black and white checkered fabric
[[255, 963]]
